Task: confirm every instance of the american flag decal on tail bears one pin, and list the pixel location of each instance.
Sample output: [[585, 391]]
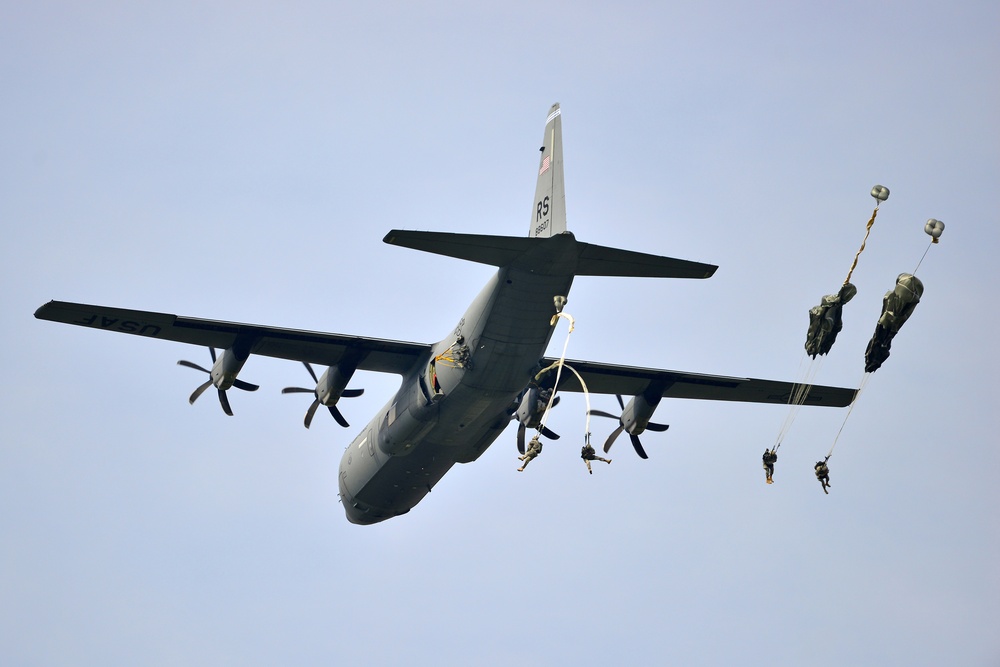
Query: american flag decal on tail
[[546, 163]]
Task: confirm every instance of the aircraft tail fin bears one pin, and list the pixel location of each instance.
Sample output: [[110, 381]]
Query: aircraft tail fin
[[548, 220], [548, 213]]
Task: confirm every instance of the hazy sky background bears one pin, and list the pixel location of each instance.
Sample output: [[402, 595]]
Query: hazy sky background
[[242, 161]]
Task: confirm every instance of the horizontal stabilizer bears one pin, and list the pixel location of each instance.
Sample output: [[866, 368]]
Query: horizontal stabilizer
[[482, 248], [591, 260], [598, 260]]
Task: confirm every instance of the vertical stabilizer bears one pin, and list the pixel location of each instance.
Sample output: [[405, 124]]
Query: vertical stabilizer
[[548, 213]]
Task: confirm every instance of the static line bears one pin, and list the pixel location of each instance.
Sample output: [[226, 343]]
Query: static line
[[559, 366], [861, 387]]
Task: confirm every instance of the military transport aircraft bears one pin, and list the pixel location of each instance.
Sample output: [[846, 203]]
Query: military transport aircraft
[[459, 394]]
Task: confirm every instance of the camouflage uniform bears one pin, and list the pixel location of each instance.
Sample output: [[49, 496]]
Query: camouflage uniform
[[588, 454], [770, 456], [823, 475], [534, 449]]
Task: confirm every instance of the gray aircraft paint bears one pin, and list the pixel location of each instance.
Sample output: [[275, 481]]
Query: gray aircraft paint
[[507, 328]]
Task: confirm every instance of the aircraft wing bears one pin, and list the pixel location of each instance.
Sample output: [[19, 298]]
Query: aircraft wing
[[386, 356], [631, 381]]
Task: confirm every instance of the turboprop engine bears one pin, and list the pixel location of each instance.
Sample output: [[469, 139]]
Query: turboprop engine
[[223, 375], [530, 411], [330, 388], [634, 419]]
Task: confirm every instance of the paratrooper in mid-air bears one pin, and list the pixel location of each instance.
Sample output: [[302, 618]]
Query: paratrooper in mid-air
[[823, 474], [534, 449], [769, 458], [588, 454]]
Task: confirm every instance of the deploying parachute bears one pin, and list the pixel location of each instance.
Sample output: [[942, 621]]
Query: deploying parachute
[[826, 320], [897, 306]]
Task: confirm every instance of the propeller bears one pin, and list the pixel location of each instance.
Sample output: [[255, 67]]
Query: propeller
[[532, 417], [651, 426], [521, 428], [347, 393], [223, 399]]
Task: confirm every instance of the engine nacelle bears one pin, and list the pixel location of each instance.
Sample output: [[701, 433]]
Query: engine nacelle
[[636, 415], [532, 406], [227, 367], [333, 382]]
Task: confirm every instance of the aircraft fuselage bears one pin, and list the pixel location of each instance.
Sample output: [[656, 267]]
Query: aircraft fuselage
[[450, 411]]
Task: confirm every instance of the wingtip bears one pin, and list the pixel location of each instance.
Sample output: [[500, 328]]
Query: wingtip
[[40, 311]]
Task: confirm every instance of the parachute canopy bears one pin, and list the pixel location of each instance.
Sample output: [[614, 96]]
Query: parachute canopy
[[897, 305], [826, 320], [880, 192], [934, 229]]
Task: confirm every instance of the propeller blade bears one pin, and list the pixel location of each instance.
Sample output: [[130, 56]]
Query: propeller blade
[[334, 412], [310, 412], [225, 403], [199, 391], [520, 437], [555, 401], [194, 366], [638, 446], [651, 426], [245, 386], [312, 373], [611, 438], [223, 399], [338, 416], [549, 434]]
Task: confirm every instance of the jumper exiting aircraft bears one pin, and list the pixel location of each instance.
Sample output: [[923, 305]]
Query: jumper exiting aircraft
[[459, 394]]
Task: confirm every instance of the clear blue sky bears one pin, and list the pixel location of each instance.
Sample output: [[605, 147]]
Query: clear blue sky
[[242, 161]]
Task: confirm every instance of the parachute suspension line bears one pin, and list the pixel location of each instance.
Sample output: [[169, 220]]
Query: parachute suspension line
[[922, 257], [586, 398], [861, 388], [800, 392], [558, 365], [868, 230], [934, 229]]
